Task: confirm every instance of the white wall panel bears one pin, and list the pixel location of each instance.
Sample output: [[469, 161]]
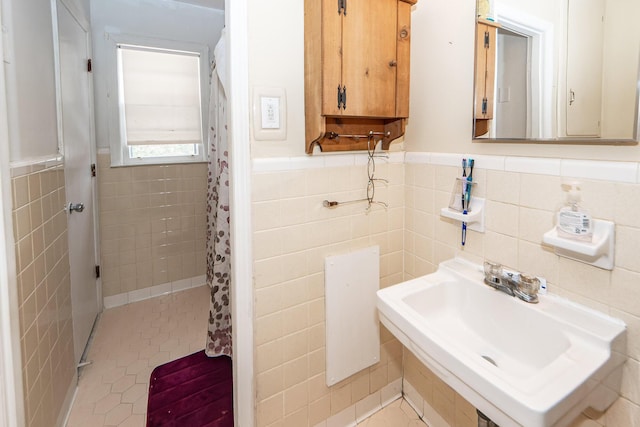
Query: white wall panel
[[352, 327]]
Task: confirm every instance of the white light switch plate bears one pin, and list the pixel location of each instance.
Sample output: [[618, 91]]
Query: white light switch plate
[[269, 113]]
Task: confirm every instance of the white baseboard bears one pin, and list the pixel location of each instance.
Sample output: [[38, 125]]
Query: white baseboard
[[153, 291], [366, 407], [63, 418], [425, 411]]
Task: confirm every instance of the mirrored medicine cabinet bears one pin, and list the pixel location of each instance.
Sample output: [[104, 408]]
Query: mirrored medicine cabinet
[[554, 71]]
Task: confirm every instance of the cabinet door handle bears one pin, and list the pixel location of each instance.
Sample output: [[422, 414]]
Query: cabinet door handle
[[572, 97], [393, 63]]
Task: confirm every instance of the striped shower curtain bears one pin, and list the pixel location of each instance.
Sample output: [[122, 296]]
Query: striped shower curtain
[[218, 241]]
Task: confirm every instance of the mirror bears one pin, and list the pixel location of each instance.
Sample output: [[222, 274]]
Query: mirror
[[557, 71]]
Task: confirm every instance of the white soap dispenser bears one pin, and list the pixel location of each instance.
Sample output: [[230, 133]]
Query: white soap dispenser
[[574, 222]]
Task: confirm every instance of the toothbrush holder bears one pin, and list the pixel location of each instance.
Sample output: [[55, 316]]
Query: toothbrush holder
[[461, 195]]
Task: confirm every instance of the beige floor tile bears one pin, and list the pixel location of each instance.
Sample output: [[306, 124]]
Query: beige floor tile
[[148, 351], [150, 332], [169, 344], [408, 410], [112, 375], [107, 403], [137, 366], [157, 340], [118, 414], [126, 358], [143, 376], [129, 342], [160, 358], [135, 420], [134, 393], [397, 414], [123, 384], [92, 394], [140, 405], [80, 414], [87, 420]]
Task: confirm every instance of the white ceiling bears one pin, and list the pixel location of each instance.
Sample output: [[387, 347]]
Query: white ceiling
[[211, 4]]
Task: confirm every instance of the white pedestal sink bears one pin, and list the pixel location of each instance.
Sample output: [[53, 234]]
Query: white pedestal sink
[[532, 365]]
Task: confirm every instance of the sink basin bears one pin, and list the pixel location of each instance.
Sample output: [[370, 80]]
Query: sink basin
[[521, 364]]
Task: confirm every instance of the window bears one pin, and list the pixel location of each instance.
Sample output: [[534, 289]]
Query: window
[[161, 116]]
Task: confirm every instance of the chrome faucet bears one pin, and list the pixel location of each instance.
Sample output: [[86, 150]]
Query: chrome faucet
[[512, 283]]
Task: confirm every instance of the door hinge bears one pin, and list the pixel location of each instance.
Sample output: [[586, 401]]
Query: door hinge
[[93, 170], [487, 40], [485, 104], [89, 65], [342, 97], [342, 7], [97, 271]]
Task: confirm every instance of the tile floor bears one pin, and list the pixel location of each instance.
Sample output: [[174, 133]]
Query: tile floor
[[131, 340], [128, 343], [397, 414]]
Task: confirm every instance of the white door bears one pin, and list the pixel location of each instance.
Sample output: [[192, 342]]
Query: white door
[[512, 97], [77, 138], [585, 35]]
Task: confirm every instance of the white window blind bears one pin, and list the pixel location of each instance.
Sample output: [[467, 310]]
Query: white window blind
[[160, 90]]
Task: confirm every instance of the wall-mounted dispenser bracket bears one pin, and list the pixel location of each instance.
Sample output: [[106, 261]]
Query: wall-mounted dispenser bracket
[[474, 218], [598, 252]]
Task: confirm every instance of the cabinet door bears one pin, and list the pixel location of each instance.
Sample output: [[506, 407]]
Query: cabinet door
[[331, 57], [403, 52], [369, 34]]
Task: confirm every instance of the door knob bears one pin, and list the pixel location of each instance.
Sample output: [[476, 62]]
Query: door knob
[[76, 207]]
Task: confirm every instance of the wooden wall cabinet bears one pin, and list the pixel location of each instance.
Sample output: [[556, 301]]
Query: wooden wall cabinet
[[486, 36], [356, 71]]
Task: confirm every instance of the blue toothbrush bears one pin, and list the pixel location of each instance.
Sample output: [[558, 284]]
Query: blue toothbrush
[[466, 194], [469, 181], [463, 195]]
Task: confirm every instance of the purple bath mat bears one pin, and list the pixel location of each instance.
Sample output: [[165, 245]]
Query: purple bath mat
[[194, 391]]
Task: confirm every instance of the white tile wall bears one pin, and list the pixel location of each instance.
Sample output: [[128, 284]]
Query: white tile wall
[[523, 194], [152, 227], [293, 233]]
